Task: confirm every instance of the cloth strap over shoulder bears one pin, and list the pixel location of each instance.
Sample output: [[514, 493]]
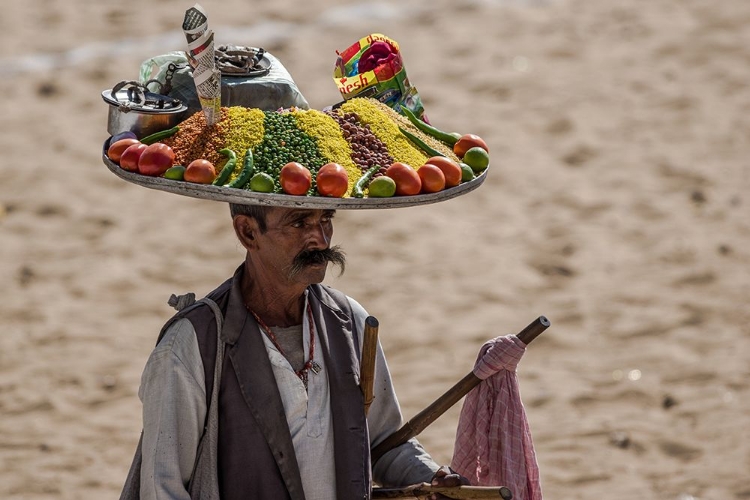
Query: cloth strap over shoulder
[[204, 481]]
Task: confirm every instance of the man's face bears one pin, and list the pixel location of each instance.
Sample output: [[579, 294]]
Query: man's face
[[296, 245]]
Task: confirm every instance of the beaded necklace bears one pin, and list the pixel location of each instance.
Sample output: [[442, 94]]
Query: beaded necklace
[[310, 364]]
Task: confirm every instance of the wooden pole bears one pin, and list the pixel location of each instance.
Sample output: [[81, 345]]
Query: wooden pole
[[533, 330], [369, 351], [458, 492], [427, 416]]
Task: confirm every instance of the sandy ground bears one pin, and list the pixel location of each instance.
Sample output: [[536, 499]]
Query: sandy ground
[[616, 205]]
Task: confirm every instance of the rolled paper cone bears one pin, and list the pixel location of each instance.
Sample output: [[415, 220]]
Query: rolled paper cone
[[201, 52], [201, 56], [195, 22], [208, 84]]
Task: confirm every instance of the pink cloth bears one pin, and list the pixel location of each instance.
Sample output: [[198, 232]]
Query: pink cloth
[[493, 440]]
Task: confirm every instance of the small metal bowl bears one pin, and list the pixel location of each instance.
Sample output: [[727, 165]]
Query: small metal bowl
[[133, 108]]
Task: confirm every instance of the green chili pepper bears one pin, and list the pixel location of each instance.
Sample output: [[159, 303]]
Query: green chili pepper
[[160, 136], [247, 171], [228, 167], [359, 188], [428, 129], [420, 143]]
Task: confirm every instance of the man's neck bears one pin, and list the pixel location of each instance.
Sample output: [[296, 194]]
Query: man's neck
[[277, 304]]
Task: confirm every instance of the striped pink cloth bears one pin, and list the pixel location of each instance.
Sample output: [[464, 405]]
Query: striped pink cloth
[[493, 440]]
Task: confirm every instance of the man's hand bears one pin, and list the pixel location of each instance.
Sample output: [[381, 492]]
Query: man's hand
[[445, 476]]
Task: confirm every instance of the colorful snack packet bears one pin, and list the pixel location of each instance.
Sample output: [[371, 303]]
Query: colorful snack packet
[[373, 67]]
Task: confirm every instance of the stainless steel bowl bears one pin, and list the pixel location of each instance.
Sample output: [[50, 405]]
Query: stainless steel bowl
[[133, 108]]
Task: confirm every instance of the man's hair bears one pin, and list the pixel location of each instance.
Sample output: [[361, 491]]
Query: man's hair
[[257, 212]]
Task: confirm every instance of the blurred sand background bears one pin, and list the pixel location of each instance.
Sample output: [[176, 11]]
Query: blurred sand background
[[616, 205]]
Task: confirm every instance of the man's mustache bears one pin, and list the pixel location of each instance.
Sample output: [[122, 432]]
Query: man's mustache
[[333, 255]]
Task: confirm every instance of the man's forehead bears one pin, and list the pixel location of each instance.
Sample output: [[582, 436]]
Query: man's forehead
[[287, 214]]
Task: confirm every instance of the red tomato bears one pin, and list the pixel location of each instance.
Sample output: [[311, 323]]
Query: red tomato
[[129, 158], [406, 178], [451, 170], [468, 141], [156, 159], [332, 180], [295, 178], [118, 147], [200, 172], [432, 177]]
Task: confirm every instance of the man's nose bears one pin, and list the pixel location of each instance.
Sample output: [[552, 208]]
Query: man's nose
[[320, 235]]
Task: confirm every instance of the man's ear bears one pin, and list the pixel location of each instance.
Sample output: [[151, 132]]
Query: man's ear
[[247, 230]]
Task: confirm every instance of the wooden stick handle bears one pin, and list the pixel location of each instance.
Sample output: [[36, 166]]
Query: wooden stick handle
[[457, 492], [369, 351], [533, 330], [427, 416]]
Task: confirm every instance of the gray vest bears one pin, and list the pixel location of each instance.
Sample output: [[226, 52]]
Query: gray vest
[[256, 458]]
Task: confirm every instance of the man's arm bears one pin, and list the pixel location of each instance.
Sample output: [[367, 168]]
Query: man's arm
[[174, 409], [405, 464], [408, 463]]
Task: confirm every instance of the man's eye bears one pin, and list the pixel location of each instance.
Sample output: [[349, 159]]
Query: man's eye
[[298, 224]]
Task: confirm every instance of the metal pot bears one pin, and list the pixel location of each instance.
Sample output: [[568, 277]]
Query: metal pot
[[133, 108]]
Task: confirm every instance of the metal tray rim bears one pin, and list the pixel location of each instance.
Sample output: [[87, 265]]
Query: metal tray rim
[[244, 197]]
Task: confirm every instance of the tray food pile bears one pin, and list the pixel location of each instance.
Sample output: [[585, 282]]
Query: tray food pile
[[360, 149]]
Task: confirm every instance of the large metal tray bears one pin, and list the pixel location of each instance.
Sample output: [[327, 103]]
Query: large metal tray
[[244, 197]]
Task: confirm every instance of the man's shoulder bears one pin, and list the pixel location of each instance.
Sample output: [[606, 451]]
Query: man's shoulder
[[325, 291], [200, 314], [358, 310], [220, 294], [177, 339], [336, 299]]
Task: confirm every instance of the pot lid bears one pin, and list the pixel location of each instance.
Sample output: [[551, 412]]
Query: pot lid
[[134, 96]]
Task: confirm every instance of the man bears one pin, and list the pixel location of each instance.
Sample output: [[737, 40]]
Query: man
[[291, 422]]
